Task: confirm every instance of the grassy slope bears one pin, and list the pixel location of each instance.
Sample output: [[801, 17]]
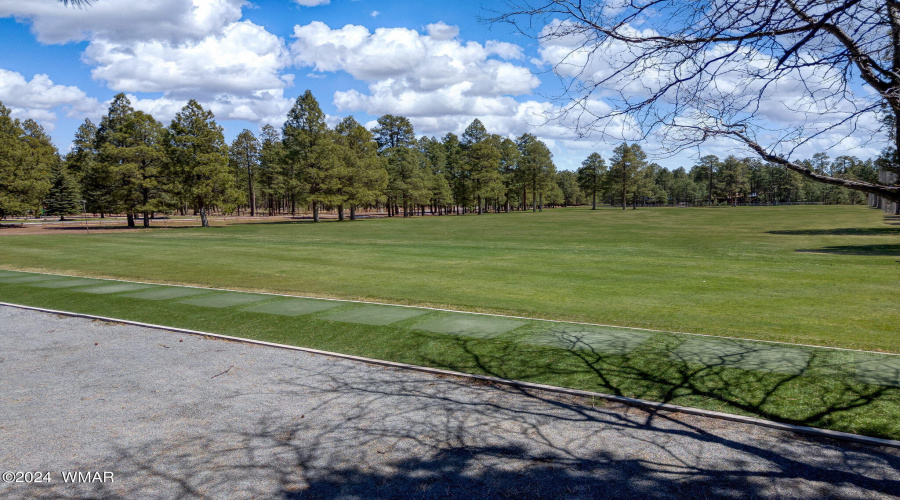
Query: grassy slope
[[818, 275]]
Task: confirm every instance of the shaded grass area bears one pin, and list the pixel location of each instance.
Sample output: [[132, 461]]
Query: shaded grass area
[[827, 392], [817, 275]]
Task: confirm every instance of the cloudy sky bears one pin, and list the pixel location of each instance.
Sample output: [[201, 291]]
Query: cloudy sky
[[433, 62]]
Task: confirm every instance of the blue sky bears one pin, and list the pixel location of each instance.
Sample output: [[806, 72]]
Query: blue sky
[[434, 62]]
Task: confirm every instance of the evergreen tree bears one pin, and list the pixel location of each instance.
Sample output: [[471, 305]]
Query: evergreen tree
[[131, 157], [84, 150], [626, 171], [364, 174], [15, 193], [38, 162], [64, 197], [434, 162], [568, 185], [474, 134], [509, 164], [455, 170], [272, 185], [244, 155], [733, 173], [310, 150], [393, 132], [707, 170], [536, 167], [198, 161], [94, 178], [590, 176]]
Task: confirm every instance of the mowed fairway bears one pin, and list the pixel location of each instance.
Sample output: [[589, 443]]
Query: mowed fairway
[[823, 275]]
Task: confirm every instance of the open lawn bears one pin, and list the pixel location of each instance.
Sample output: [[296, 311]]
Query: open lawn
[[823, 275]]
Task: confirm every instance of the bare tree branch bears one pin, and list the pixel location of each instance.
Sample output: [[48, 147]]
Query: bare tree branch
[[687, 72], [76, 3]]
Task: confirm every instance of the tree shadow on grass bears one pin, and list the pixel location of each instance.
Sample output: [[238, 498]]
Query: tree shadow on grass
[[847, 231], [868, 250]]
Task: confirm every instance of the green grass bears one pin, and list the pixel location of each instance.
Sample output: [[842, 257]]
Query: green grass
[[834, 389], [815, 275]]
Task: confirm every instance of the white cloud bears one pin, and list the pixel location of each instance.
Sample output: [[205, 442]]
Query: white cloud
[[442, 31], [311, 3], [261, 107], [415, 61], [416, 75], [375, 13], [124, 20], [243, 58], [181, 48], [40, 98]]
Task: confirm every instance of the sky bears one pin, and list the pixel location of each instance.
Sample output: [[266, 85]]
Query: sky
[[435, 62]]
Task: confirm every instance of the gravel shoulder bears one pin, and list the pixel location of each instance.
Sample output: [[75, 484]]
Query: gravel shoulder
[[181, 416]]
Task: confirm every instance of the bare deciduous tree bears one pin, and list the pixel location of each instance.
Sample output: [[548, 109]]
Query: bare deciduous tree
[[773, 75]]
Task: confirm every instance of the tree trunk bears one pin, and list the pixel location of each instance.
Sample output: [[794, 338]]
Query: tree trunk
[[146, 219], [624, 190], [534, 195], [204, 220], [594, 203], [340, 209], [352, 212], [315, 211], [252, 193], [130, 217]]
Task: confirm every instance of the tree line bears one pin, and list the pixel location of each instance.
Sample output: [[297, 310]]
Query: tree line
[[132, 164], [631, 180]]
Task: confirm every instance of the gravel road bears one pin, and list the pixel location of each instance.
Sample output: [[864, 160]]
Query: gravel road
[[181, 416]]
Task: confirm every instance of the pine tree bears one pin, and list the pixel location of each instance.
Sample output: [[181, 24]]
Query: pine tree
[[130, 158], [309, 150], [455, 171], [271, 168], [396, 139], [483, 165], [64, 197], [244, 155], [536, 167], [364, 176], [590, 176], [626, 170], [27, 159], [198, 161]]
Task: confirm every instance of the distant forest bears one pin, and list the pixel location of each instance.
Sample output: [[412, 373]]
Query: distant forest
[[132, 164]]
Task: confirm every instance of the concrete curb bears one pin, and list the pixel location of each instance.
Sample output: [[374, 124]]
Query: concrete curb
[[798, 429]]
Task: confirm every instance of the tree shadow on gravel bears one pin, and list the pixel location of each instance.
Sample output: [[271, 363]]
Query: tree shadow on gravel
[[444, 438], [382, 433]]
